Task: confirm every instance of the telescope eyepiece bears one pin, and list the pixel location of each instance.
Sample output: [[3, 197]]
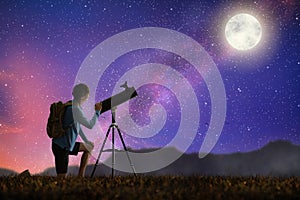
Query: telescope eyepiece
[[124, 85]]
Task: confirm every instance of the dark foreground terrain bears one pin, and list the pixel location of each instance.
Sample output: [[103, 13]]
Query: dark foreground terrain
[[149, 187]]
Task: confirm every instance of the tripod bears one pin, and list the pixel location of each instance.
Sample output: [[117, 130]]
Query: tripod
[[112, 127]]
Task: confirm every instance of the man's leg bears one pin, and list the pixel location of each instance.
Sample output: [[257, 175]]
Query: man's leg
[[86, 149], [61, 160]]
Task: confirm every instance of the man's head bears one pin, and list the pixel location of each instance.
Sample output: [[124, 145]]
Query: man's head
[[81, 92]]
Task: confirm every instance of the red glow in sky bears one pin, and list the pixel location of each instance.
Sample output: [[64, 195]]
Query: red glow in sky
[[24, 143]]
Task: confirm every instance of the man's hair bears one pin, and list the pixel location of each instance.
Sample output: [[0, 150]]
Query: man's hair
[[80, 90]]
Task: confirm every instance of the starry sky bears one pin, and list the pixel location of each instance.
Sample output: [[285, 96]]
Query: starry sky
[[44, 43]]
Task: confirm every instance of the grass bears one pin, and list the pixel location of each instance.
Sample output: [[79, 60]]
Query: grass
[[149, 187]]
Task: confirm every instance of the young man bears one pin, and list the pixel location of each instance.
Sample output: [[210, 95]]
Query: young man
[[66, 145]]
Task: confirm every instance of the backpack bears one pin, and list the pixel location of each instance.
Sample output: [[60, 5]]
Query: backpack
[[55, 127]]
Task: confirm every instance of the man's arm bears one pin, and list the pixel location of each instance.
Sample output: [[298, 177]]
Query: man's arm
[[82, 135], [88, 144], [79, 117]]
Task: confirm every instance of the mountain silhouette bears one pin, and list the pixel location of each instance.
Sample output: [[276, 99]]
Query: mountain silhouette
[[279, 158], [7, 172]]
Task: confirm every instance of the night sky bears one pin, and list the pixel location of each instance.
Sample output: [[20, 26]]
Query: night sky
[[43, 44]]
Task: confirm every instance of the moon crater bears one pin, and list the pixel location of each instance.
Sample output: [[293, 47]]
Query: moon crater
[[243, 31]]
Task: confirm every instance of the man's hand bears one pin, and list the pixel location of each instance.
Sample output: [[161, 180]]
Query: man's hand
[[98, 106]]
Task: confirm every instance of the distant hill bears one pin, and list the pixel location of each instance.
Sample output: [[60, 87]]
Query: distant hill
[[279, 158], [7, 172]]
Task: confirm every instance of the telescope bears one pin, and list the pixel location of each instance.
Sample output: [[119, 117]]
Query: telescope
[[110, 104], [118, 99]]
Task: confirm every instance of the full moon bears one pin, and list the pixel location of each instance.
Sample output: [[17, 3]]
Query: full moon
[[243, 31]]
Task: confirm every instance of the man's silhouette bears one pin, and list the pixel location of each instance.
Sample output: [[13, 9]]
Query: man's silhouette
[[66, 145]]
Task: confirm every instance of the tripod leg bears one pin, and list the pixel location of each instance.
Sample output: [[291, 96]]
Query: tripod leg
[[113, 153], [125, 148], [96, 164]]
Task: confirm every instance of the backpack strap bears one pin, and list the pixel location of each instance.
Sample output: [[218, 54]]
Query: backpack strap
[[72, 125], [67, 104]]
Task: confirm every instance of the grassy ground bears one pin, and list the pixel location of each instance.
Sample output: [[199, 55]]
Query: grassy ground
[[158, 187]]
